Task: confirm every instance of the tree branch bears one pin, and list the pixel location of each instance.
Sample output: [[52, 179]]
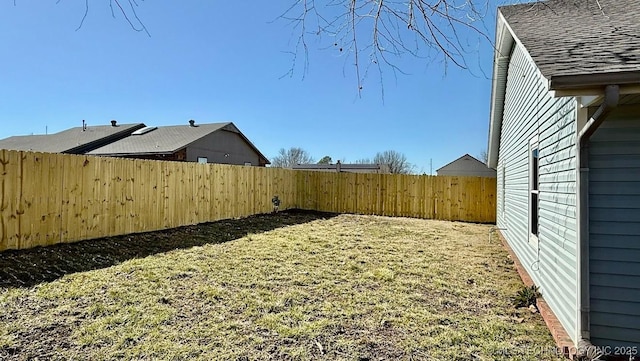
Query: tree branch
[[140, 27], [437, 27]]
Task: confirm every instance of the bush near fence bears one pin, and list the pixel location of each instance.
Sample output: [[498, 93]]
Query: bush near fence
[[53, 198]]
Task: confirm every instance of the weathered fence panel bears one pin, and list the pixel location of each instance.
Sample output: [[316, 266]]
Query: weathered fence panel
[[53, 198]]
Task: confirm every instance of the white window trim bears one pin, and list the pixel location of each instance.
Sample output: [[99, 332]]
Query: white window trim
[[533, 144]]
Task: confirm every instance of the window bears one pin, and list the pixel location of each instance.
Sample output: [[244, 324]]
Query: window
[[533, 189], [247, 163], [202, 160]]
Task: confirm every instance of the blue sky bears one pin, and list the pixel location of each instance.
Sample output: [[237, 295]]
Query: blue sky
[[216, 61]]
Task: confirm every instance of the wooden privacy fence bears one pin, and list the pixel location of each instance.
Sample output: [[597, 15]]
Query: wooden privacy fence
[[470, 199], [53, 198]]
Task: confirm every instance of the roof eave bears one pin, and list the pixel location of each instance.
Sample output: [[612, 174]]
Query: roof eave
[[502, 54], [595, 83], [131, 154]]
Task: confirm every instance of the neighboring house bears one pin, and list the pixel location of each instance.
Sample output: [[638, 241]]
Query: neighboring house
[[467, 166], [345, 168], [78, 140], [565, 138], [203, 143]]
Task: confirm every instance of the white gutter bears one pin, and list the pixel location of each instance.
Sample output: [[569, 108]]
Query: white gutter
[[611, 98]]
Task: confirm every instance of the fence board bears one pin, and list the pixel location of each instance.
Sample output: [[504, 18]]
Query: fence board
[[31, 170]]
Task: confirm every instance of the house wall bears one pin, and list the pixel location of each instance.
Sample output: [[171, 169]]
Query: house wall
[[614, 230], [531, 111], [216, 145], [467, 166]]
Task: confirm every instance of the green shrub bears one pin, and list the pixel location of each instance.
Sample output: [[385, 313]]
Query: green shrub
[[526, 296]]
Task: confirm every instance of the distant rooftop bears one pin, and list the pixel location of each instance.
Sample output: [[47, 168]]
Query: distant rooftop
[[72, 140], [344, 167], [160, 140], [167, 139]]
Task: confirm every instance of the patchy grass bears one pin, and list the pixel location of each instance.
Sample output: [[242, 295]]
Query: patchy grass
[[341, 288]]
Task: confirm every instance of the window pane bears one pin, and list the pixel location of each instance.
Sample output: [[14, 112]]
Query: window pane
[[534, 213], [534, 178]]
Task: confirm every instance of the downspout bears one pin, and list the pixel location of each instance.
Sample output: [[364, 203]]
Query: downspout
[[611, 98]]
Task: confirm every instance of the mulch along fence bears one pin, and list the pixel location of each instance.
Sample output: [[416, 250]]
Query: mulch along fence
[[53, 198]]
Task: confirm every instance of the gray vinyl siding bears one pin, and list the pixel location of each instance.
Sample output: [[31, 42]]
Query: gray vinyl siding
[[500, 194], [614, 232], [225, 147], [531, 111]]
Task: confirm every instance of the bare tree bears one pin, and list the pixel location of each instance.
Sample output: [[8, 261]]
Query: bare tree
[[364, 161], [397, 161], [376, 33], [372, 34], [483, 156], [286, 158]]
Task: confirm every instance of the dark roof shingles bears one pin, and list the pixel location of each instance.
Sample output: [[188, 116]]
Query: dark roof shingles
[[576, 37], [163, 140], [65, 140]]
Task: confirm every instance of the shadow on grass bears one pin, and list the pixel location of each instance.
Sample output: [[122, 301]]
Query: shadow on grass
[[26, 268]]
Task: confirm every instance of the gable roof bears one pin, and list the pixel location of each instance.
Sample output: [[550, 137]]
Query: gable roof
[[73, 140], [168, 140], [580, 42], [578, 46], [474, 160]]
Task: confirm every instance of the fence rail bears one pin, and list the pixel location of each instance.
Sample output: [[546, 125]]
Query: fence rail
[[54, 198]]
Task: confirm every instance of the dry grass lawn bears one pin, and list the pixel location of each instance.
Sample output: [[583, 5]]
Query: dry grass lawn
[[344, 287]]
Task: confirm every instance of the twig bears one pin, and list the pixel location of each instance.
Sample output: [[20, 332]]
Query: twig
[[132, 4], [84, 16]]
